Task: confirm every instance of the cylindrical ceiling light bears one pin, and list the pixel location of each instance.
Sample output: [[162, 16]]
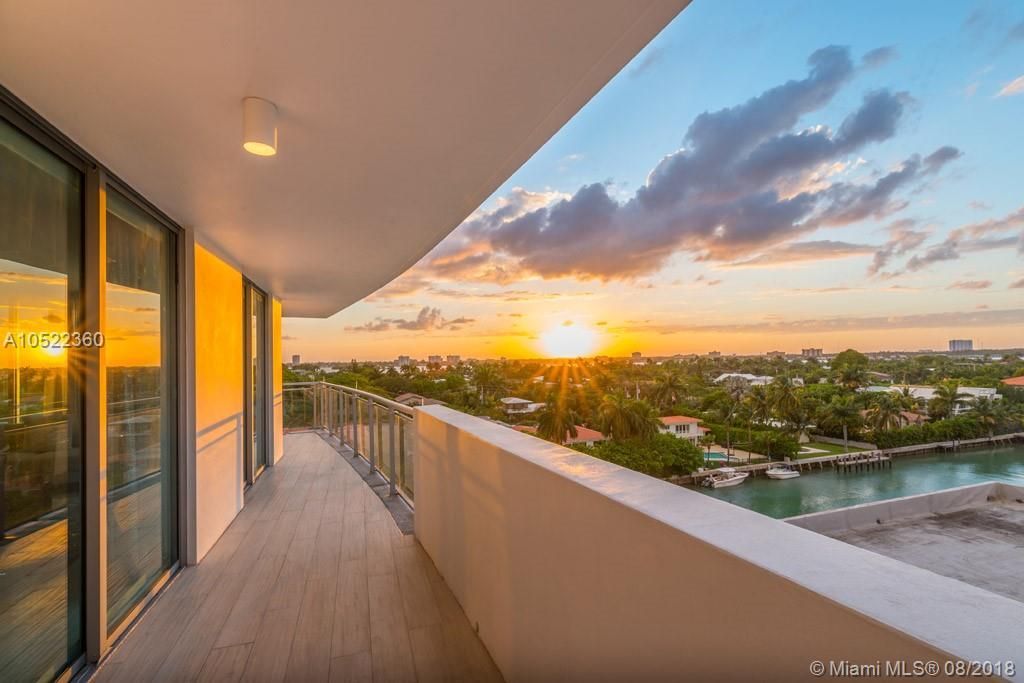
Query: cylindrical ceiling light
[[259, 123]]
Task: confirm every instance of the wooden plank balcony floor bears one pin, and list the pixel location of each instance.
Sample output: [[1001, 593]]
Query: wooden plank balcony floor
[[311, 582]]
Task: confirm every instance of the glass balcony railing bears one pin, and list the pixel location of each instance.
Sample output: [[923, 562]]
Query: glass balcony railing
[[377, 429]]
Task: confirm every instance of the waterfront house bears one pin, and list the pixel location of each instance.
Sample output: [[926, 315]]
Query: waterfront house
[[682, 427]]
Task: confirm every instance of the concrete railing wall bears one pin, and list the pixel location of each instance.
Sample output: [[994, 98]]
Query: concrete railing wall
[[572, 568], [880, 512]]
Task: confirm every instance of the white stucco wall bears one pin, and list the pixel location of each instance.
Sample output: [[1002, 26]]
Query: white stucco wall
[[576, 569], [219, 353], [277, 391]]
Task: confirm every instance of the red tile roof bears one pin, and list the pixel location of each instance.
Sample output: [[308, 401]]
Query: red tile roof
[[584, 434], [1014, 381], [679, 420]]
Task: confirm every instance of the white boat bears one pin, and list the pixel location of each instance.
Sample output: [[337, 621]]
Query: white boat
[[780, 471], [725, 476]]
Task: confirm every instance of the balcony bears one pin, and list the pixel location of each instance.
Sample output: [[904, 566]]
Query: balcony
[[312, 581], [555, 564]]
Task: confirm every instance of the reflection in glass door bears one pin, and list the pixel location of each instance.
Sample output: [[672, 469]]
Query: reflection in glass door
[[41, 567], [256, 381], [142, 534]]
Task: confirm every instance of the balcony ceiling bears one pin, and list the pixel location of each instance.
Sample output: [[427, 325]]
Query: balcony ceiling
[[397, 119]]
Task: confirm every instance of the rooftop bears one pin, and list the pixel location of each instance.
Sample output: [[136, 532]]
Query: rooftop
[[679, 420], [980, 544]]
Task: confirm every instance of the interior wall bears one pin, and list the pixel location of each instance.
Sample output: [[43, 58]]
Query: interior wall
[[219, 381], [277, 385]]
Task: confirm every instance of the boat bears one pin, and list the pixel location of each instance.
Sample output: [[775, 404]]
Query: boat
[[725, 476], [781, 471]]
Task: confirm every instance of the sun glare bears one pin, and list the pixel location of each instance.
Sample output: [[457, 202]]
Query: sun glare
[[568, 340]]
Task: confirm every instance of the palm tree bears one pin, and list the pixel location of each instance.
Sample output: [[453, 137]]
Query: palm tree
[[986, 412], [621, 417], [884, 413], [851, 377], [488, 380], [668, 388], [947, 395], [556, 422], [841, 412], [762, 407], [785, 396]]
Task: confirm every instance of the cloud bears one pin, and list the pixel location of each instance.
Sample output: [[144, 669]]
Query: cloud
[[846, 323], [1014, 87], [1016, 33], [745, 182], [879, 56], [903, 238], [972, 238], [971, 284], [651, 56], [816, 250], [427, 319]]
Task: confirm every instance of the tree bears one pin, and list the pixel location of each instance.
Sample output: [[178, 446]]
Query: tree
[[841, 413], [884, 413], [488, 380], [621, 417], [661, 455], [785, 397], [943, 403], [762, 408], [668, 388], [850, 358], [985, 411], [556, 421]]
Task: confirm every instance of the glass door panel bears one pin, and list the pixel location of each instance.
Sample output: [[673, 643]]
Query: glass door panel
[[142, 538], [255, 382], [41, 577]]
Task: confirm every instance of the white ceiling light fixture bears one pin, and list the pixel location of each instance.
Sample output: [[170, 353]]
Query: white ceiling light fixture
[[259, 123]]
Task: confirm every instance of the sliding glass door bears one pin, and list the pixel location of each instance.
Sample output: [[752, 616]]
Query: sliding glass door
[[41, 566], [141, 405], [256, 381]]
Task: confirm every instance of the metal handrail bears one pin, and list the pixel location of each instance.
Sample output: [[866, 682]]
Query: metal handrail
[[339, 410]]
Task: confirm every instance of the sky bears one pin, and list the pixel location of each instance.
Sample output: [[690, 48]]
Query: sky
[[842, 174]]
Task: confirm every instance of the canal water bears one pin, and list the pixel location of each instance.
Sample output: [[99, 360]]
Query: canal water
[[828, 489]]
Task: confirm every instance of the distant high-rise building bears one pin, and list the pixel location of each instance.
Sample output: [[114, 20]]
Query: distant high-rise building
[[454, 360], [434, 359], [295, 359], [403, 361], [637, 355], [776, 354], [714, 354], [961, 345], [811, 353]]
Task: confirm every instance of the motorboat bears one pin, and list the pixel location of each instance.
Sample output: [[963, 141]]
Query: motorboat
[[782, 471], [725, 476]]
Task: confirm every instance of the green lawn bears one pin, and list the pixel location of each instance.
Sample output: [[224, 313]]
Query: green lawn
[[829, 448]]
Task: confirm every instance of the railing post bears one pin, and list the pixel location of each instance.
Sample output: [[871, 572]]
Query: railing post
[[392, 490], [371, 417], [341, 415], [355, 424]]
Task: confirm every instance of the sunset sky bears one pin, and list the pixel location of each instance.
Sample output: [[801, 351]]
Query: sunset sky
[[824, 174]]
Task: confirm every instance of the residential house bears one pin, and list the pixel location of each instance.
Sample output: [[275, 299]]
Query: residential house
[[682, 427]]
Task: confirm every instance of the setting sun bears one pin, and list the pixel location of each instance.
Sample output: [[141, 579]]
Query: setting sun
[[568, 340]]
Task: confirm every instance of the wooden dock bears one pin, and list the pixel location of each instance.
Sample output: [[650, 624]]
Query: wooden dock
[[862, 460]]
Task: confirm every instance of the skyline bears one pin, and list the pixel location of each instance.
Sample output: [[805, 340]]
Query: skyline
[[830, 182]]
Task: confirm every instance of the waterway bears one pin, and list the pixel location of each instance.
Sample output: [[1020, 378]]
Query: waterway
[[910, 475]]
